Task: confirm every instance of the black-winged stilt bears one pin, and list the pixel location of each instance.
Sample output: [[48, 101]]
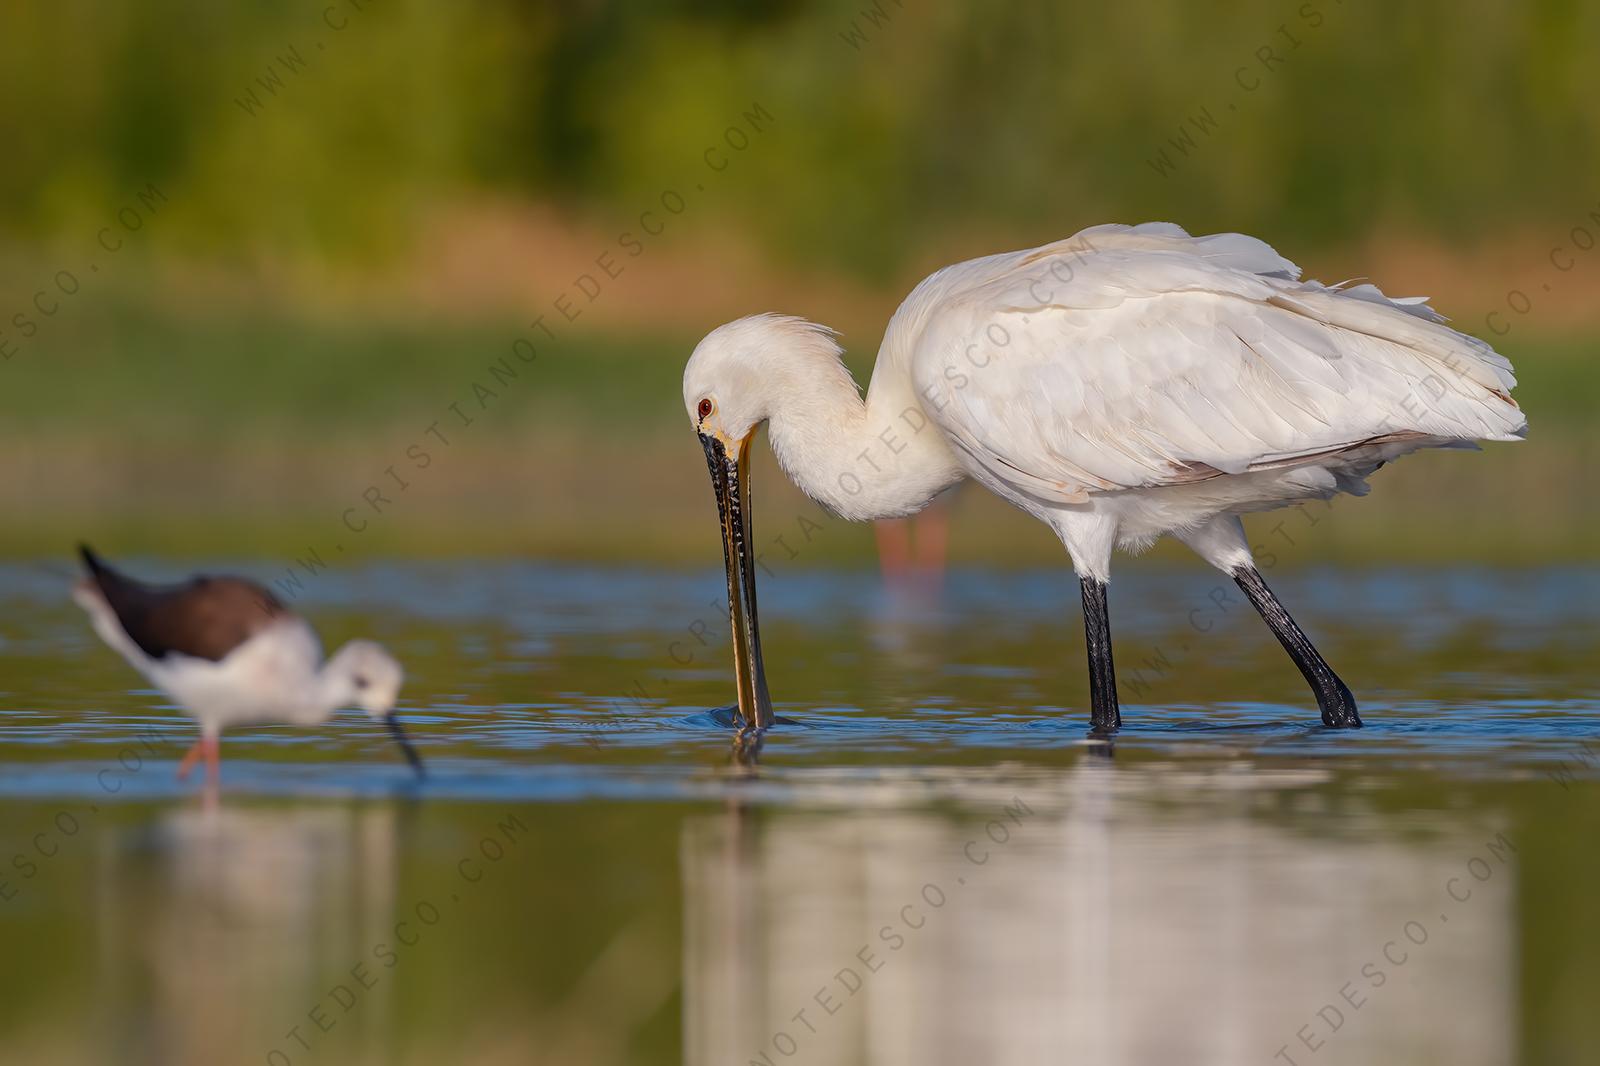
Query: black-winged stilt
[[230, 653]]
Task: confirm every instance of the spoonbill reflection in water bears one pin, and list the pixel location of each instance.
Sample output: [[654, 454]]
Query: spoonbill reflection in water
[[1119, 385]]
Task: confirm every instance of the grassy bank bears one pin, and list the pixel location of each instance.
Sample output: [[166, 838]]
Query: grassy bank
[[264, 434]]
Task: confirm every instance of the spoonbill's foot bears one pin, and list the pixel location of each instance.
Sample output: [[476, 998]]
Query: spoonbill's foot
[[1338, 707]]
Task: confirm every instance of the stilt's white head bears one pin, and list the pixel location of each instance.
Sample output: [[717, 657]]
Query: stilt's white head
[[364, 674], [369, 674]]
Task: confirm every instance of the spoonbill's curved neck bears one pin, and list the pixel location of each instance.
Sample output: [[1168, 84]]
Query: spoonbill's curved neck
[[881, 457]]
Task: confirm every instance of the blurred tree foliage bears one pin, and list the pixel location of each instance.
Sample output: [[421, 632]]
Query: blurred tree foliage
[[1309, 121]]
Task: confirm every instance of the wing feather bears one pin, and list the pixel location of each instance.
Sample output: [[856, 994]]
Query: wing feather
[[206, 617], [1136, 357]]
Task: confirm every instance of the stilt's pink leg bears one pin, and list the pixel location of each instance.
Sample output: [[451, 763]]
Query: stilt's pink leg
[[213, 750], [192, 757]]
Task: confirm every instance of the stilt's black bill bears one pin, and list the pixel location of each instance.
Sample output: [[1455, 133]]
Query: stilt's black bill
[[730, 480], [399, 734]]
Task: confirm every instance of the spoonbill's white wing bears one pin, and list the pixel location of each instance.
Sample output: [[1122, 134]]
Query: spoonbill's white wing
[[1137, 357]]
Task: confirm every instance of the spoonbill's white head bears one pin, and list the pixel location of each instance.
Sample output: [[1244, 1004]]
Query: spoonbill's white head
[[734, 381], [742, 371]]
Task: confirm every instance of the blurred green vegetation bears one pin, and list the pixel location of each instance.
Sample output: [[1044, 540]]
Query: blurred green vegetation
[[294, 234], [148, 440], [262, 374], [1330, 117]]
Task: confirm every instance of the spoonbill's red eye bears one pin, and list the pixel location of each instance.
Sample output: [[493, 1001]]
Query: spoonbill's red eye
[[705, 408]]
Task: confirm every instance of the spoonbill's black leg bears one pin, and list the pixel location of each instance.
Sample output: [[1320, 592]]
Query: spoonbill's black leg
[[1104, 716], [1338, 706]]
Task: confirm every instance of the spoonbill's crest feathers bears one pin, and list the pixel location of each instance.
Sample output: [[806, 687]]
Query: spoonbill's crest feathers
[[747, 365]]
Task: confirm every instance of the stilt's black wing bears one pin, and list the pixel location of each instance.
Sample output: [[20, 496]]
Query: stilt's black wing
[[206, 617]]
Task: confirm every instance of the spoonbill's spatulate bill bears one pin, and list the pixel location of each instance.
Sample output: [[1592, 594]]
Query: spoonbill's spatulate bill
[[1119, 385], [228, 652]]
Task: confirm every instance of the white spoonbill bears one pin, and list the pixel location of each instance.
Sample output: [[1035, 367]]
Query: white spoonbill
[[1122, 384], [228, 652]]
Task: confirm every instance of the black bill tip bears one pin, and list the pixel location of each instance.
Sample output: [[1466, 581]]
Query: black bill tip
[[399, 734]]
